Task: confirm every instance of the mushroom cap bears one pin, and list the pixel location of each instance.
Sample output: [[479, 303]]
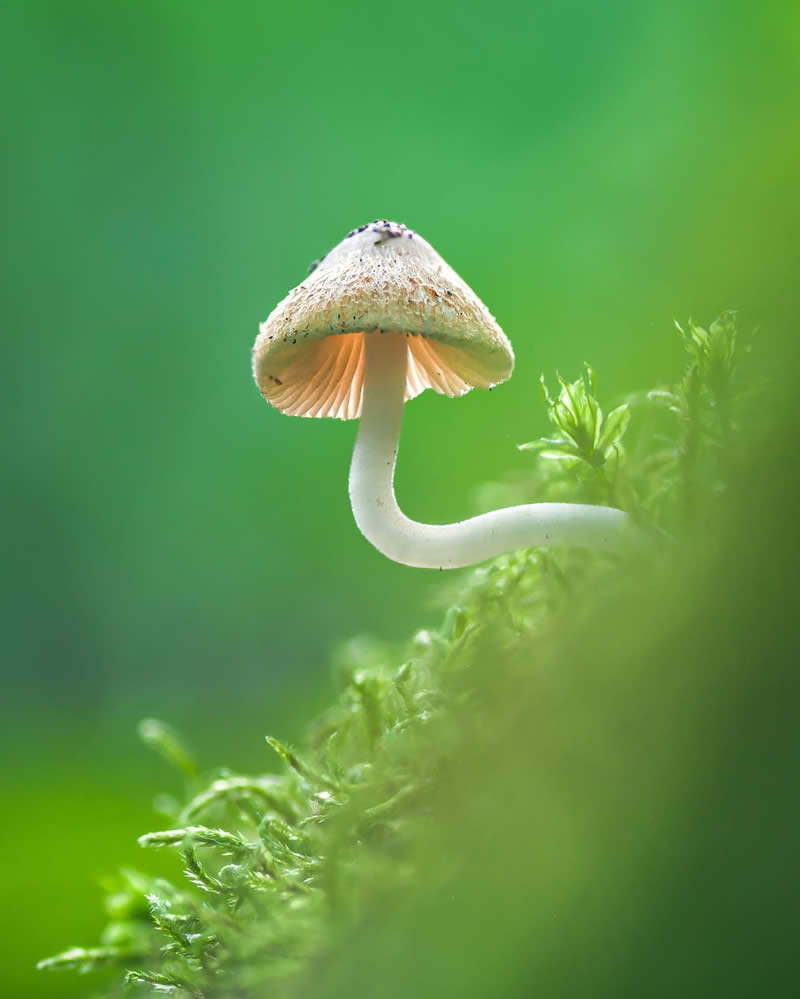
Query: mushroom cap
[[383, 278]]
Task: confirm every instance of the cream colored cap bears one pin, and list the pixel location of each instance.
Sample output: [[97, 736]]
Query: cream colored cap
[[383, 278]]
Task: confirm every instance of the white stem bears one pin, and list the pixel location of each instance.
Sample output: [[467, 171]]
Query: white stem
[[467, 542]]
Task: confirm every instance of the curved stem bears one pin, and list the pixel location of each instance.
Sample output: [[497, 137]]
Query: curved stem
[[466, 542]]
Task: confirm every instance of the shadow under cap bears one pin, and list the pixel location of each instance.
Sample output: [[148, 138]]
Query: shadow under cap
[[382, 279]]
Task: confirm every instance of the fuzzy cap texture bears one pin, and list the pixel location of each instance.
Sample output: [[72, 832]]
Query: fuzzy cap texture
[[383, 278]]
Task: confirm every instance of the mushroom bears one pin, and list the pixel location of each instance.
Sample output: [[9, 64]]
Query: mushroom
[[378, 320]]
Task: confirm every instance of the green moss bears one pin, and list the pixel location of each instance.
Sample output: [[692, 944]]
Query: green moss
[[412, 788]]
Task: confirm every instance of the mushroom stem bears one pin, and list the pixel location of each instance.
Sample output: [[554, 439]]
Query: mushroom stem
[[467, 542]]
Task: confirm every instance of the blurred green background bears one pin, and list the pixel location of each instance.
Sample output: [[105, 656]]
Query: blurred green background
[[172, 546]]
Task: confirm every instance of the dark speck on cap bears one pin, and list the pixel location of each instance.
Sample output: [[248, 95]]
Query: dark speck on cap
[[384, 228]]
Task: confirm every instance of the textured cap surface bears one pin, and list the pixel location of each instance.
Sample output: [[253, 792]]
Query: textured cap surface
[[381, 279]]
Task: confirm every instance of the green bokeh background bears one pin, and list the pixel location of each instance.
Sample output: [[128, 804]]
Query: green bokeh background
[[171, 545]]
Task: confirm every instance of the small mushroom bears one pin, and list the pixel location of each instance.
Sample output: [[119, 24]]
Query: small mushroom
[[382, 318]]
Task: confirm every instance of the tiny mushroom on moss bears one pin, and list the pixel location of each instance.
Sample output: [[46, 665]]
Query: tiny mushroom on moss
[[379, 319]]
